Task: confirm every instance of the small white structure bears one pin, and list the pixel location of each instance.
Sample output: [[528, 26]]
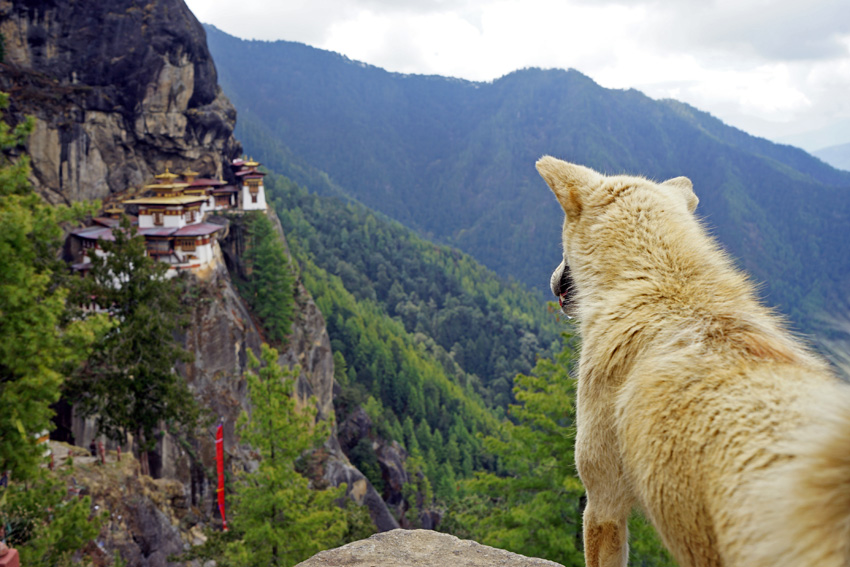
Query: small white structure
[[252, 194]]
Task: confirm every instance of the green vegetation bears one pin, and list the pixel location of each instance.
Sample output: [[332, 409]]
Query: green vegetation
[[39, 346], [270, 285], [129, 381], [454, 160], [532, 506], [484, 329], [44, 523], [281, 520], [410, 386], [277, 519]]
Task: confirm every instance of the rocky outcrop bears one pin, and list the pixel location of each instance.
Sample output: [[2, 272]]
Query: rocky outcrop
[[145, 521], [309, 349], [309, 346], [118, 90], [390, 457], [420, 548], [338, 471]]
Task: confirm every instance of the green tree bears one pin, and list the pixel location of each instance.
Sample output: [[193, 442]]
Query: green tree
[[46, 525], [271, 285], [277, 518], [39, 345], [130, 382], [533, 508]]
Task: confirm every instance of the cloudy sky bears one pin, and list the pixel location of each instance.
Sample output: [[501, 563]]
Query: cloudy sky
[[776, 68]]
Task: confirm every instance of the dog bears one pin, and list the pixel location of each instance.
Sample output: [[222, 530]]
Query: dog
[[694, 402]]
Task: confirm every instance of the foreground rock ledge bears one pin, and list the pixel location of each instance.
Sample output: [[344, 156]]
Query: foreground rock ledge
[[420, 548]]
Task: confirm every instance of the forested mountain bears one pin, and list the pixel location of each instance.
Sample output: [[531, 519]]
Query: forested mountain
[[433, 347], [429, 334], [490, 329], [454, 160]]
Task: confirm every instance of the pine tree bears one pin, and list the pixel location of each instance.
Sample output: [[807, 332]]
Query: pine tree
[[39, 345], [278, 518], [44, 523], [130, 382], [271, 285], [533, 507]]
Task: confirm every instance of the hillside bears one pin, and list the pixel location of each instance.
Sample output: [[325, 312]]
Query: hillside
[[837, 156], [454, 159], [492, 330]]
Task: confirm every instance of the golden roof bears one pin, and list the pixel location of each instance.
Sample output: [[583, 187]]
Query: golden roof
[[175, 200], [251, 163], [167, 186], [167, 175]]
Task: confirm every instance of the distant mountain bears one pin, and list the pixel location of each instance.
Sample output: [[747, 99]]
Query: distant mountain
[[836, 156], [833, 134], [455, 160]]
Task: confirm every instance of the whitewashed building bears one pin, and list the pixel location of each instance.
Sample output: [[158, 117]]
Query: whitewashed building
[[252, 193], [171, 217]]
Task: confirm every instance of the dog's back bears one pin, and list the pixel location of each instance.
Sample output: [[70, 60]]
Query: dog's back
[[693, 399], [805, 502]]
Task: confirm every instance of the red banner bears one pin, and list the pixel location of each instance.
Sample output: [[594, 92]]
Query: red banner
[[219, 457]]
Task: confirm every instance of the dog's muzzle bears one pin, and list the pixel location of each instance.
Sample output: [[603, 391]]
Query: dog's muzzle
[[561, 284]]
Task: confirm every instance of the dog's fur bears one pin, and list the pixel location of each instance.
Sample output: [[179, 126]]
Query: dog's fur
[[694, 402]]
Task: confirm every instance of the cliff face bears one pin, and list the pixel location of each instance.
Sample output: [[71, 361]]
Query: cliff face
[[119, 90], [309, 348]]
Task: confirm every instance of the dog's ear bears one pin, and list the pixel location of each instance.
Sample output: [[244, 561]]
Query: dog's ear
[[686, 188], [568, 181]]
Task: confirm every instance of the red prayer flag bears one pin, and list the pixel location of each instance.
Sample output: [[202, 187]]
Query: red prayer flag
[[219, 457]]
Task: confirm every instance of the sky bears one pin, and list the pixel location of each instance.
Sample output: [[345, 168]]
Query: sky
[[779, 69]]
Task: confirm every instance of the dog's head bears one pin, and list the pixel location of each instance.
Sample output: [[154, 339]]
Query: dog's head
[[609, 224]]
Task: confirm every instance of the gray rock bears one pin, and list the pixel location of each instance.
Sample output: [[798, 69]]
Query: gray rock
[[338, 470], [420, 548], [117, 89]]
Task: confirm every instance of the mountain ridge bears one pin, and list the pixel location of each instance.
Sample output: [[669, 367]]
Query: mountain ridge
[[454, 160], [837, 156]]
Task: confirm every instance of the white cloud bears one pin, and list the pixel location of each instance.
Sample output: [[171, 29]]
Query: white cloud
[[774, 67]]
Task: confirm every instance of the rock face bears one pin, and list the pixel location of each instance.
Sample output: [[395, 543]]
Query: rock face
[[118, 89], [420, 548], [146, 520], [309, 348]]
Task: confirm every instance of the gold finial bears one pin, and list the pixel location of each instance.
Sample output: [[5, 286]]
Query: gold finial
[[167, 176], [189, 175]]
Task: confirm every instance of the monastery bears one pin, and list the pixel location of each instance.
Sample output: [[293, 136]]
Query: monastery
[[172, 217]]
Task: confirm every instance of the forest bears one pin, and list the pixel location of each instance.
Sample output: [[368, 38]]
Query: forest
[[454, 160], [492, 432]]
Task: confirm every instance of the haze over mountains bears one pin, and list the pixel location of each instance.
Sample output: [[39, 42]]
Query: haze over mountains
[[837, 156], [454, 160]]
